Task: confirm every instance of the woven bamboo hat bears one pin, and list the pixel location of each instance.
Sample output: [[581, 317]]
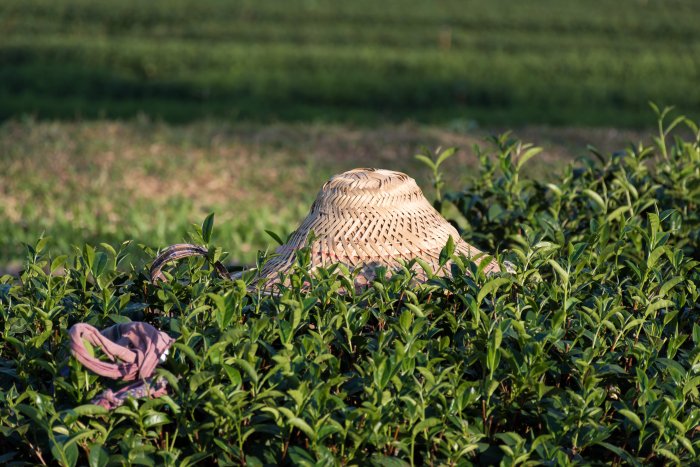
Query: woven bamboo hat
[[363, 218]]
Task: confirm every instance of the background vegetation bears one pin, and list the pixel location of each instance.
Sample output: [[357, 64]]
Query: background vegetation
[[77, 182], [498, 62], [588, 353], [131, 120]]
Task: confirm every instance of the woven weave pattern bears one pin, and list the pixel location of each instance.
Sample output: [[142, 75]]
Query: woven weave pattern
[[367, 218]]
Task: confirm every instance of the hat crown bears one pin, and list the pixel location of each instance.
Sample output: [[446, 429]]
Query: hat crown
[[362, 189]]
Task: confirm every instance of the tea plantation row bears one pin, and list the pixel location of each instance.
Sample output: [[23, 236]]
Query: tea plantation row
[[503, 62]]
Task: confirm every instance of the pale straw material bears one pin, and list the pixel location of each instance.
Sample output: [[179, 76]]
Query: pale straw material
[[365, 218]]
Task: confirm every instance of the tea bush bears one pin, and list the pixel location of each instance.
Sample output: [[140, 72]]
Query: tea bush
[[587, 353]]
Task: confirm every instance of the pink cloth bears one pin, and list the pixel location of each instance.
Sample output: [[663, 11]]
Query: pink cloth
[[135, 348]]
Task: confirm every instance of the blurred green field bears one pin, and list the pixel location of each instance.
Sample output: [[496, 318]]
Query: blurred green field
[[501, 62]]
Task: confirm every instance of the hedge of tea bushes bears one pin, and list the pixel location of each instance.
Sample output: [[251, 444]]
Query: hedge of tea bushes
[[587, 353]]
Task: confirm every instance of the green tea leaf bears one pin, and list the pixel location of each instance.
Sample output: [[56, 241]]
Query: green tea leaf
[[526, 156], [275, 237], [596, 198], [98, 456], [632, 417], [563, 275], [491, 286], [447, 252], [303, 426], [207, 227]]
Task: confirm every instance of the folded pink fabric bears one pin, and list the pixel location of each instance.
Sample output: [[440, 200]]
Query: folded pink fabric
[[135, 348]]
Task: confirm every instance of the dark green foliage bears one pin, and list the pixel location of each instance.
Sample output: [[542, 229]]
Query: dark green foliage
[[610, 200], [508, 62], [588, 353]]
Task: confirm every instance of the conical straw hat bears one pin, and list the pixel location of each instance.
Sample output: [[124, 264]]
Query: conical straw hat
[[365, 218]]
